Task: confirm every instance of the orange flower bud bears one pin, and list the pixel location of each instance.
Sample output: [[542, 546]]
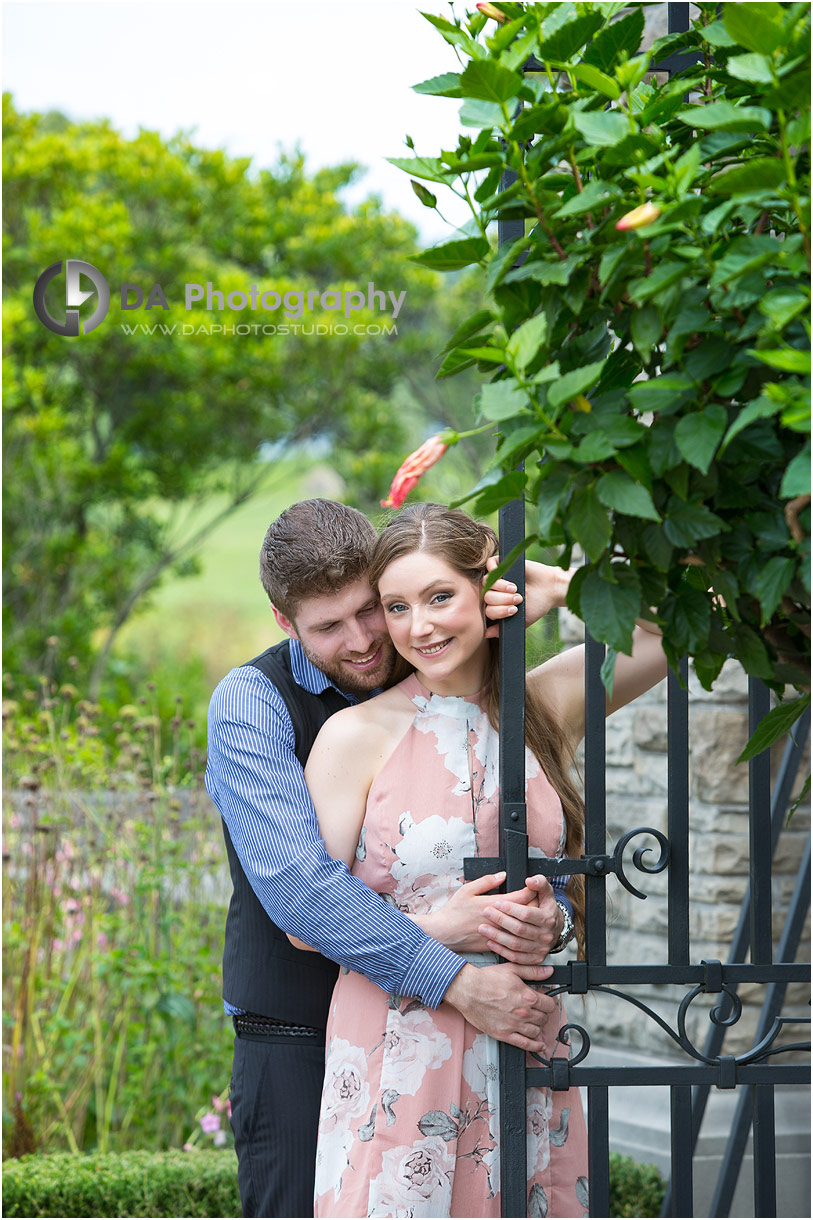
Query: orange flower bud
[[639, 218], [490, 10], [412, 468]]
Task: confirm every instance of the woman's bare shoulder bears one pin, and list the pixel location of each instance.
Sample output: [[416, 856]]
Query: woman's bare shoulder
[[381, 717]]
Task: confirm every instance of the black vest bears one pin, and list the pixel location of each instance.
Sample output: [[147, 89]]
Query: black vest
[[262, 971]]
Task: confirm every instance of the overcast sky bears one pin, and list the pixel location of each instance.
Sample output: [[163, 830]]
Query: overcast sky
[[331, 75]]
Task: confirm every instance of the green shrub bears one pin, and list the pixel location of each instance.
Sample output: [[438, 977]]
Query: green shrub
[[130, 1184], [635, 1189]]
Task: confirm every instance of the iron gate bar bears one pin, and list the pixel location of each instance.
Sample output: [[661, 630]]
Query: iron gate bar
[[677, 719], [780, 800], [671, 1073], [759, 804], [598, 1148], [738, 1136]]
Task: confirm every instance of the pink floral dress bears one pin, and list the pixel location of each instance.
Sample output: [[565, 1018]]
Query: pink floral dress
[[409, 1124]]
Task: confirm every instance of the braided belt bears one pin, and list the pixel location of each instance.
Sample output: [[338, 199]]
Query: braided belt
[[251, 1023]]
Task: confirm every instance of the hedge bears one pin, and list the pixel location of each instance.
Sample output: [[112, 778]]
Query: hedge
[[204, 1183], [200, 1183]]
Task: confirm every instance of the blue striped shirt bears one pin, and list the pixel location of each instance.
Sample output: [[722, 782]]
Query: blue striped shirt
[[256, 781]]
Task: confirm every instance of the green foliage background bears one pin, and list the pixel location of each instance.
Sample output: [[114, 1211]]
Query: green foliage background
[[655, 381]]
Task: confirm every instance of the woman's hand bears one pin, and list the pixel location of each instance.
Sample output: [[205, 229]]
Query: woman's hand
[[520, 926], [545, 588]]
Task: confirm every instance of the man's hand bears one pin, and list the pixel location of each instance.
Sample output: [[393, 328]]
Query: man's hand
[[520, 926], [545, 588], [495, 1000]]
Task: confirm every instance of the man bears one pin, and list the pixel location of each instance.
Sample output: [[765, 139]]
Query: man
[[263, 719]]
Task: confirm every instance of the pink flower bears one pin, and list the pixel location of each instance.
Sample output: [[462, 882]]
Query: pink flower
[[210, 1123], [412, 468], [639, 218], [228, 1107], [490, 10], [217, 1105]]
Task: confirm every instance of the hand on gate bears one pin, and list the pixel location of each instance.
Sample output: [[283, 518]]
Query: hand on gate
[[497, 1001], [520, 926]]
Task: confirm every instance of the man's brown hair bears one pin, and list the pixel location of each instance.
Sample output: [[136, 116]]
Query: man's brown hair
[[313, 548]]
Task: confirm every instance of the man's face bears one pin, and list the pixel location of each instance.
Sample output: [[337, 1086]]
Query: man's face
[[344, 635]]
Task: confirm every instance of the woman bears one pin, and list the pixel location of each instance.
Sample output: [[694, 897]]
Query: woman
[[405, 787]]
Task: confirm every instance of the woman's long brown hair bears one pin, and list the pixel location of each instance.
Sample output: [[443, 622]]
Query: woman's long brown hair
[[466, 545]]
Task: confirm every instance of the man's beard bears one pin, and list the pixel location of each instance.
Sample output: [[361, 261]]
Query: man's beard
[[347, 679]]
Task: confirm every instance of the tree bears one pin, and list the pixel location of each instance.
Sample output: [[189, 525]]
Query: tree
[[647, 340], [115, 441]]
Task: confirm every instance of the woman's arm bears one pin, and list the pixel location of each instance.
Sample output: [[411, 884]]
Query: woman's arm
[[560, 681]]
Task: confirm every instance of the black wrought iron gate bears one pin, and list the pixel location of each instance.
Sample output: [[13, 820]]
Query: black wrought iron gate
[[755, 1073]]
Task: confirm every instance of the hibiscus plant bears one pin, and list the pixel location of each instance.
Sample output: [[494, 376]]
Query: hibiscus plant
[[645, 349]]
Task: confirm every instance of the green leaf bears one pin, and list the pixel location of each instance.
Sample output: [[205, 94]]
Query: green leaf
[[687, 616], [577, 381], [618, 491], [489, 81], [796, 479], [543, 271], [509, 487], [661, 393], [753, 68], [453, 255], [501, 400], [596, 194], [601, 128], [526, 341], [657, 547], [594, 78], [783, 304], [562, 43], [645, 327], [758, 174], [742, 255], [549, 494], [772, 582], [663, 276], [445, 85], [608, 671], [430, 168], [760, 408], [622, 36], [687, 524], [424, 194], [589, 522], [595, 447], [610, 608], [476, 113], [755, 26], [488, 480], [466, 329], [773, 727], [456, 360], [788, 359], [698, 435], [725, 116], [516, 444], [492, 355], [750, 650], [503, 259], [717, 35]]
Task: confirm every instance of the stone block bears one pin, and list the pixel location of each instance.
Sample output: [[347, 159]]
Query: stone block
[[650, 732], [731, 686], [717, 739], [719, 853]]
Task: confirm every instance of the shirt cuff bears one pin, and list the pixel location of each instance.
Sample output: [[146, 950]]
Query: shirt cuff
[[430, 973]]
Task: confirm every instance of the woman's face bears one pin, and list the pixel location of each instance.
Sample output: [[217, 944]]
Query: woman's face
[[436, 620]]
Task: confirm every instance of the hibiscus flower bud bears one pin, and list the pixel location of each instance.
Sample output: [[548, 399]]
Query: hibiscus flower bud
[[490, 10], [412, 468], [638, 218]]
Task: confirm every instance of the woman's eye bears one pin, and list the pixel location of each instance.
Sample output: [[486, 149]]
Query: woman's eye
[[396, 608], [441, 597]]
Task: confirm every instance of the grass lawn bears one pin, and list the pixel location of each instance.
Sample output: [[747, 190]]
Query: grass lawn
[[222, 616]]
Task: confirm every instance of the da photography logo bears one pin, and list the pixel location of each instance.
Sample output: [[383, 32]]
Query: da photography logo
[[75, 296]]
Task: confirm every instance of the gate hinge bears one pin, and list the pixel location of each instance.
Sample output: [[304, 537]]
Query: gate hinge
[[728, 1072]]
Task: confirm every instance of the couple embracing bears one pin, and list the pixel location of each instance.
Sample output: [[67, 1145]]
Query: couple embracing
[[355, 766]]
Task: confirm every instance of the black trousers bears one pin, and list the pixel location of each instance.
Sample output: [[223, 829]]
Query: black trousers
[[276, 1090]]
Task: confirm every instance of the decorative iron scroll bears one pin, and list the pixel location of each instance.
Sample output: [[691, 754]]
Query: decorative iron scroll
[[560, 1067]]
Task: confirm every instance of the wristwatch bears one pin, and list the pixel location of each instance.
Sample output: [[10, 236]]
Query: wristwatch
[[567, 929]]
